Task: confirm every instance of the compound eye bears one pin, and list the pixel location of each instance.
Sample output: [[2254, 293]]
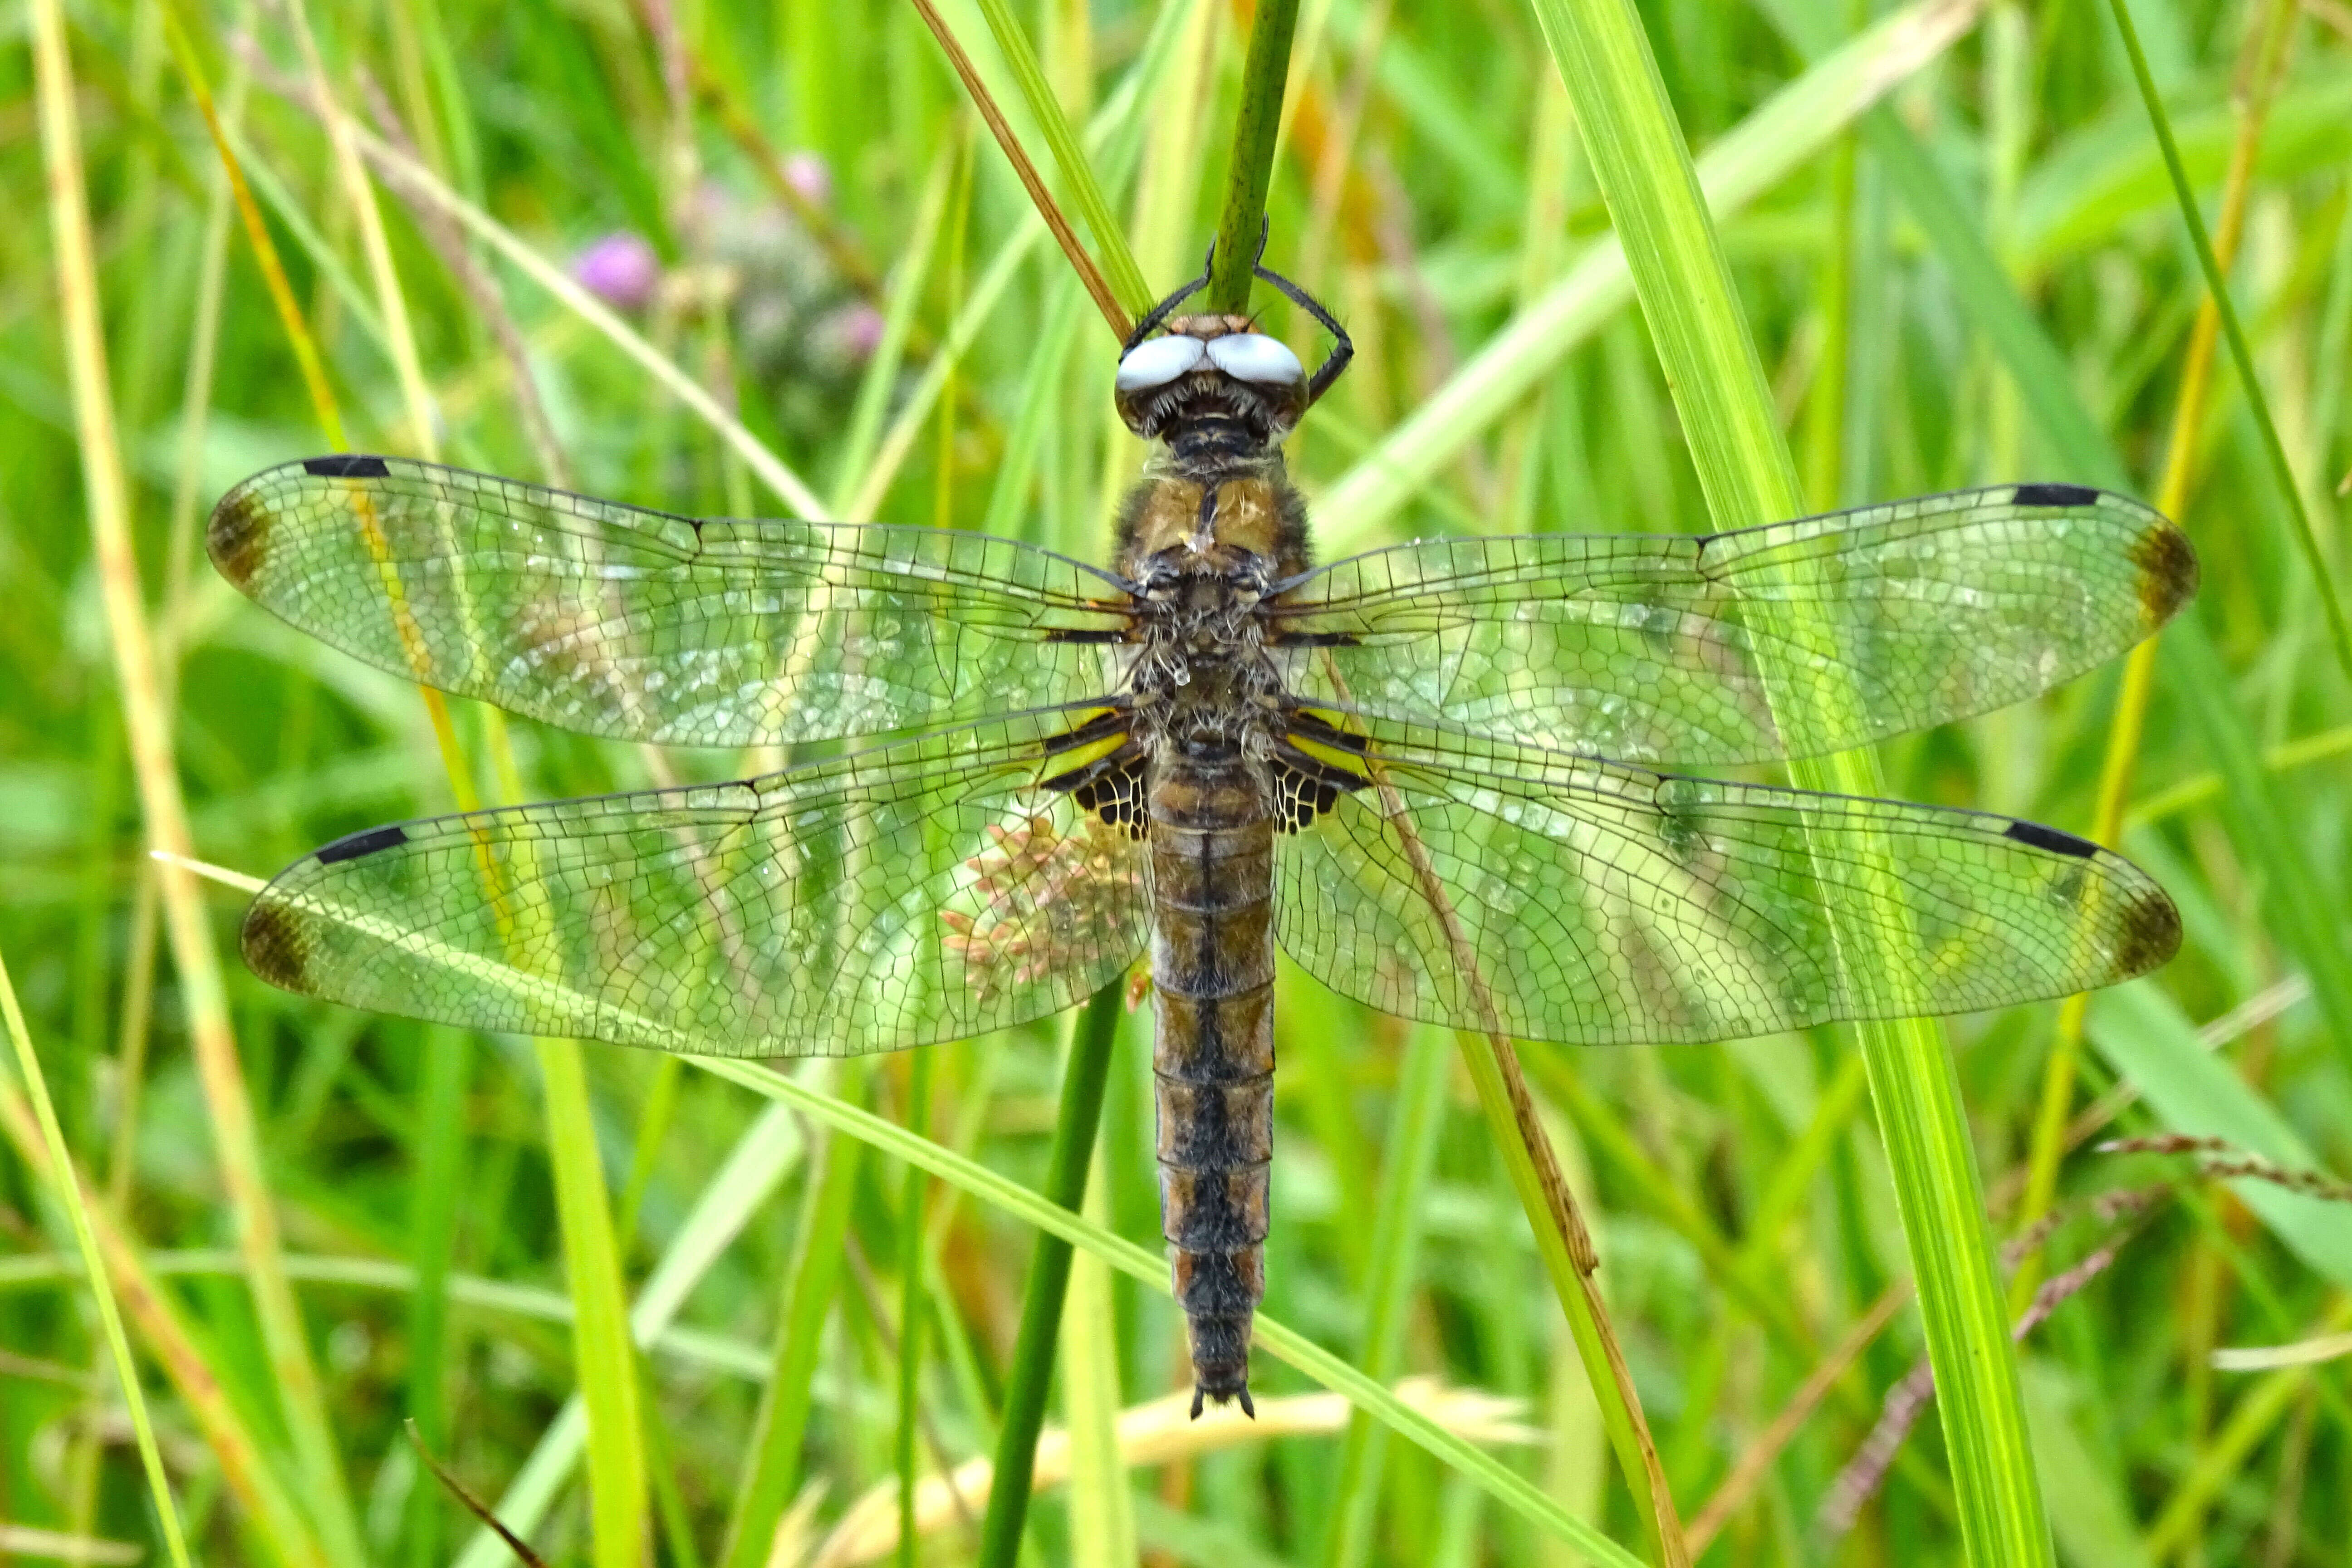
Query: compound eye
[[1250, 356], [1159, 362]]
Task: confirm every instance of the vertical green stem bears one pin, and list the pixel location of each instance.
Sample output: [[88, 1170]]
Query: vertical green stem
[[432, 1228], [1414, 1120], [1049, 1277], [1242, 220], [912, 1303], [603, 1349], [2241, 354], [774, 1470]]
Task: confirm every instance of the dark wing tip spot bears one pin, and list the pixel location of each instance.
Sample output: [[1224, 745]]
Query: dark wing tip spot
[[2035, 835], [2054, 495], [346, 466], [273, 945], [361, 844], [2167, 571], [237, 535], [2149, 933]]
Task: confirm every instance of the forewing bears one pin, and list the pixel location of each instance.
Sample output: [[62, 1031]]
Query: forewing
[[1656, 649], [920, 892], [1493, 887], [645, 625]]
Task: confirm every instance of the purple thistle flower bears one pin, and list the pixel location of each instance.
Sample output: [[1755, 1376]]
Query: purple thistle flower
[[811, 176], [620, 270]]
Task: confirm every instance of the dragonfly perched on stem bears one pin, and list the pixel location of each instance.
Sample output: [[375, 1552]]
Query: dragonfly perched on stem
[[1429, 774]]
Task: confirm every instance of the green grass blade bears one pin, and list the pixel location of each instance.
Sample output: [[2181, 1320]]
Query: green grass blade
[[1086, 193], [772, 1471], [1415, 1119], [2146, 1037], [913, 1304], [1265, 73], [1695, 321], [2249, 377], [1032, 1375], [604, 1361], [1765, 148], [1101, 1504], [67, 1188], [433, 1231], [760, 1161]]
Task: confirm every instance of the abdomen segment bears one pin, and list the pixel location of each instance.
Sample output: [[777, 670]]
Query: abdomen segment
[[1212, 977]]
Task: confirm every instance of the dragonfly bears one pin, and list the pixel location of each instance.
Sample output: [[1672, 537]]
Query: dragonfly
[[1439, 777]]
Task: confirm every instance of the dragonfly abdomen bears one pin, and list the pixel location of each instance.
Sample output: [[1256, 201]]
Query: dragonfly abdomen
[[1212, 978]]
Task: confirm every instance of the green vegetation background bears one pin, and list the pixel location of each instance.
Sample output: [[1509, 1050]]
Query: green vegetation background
[[814, 210]]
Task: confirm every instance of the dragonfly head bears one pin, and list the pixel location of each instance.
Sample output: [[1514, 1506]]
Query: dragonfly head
[[1207, 368]]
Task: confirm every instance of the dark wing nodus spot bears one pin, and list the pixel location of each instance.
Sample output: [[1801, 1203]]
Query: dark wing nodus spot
[[2054, 495], [345, 466], [2050, 838]]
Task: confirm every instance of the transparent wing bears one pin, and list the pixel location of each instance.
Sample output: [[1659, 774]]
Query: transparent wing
[[916, 892], [644, 626], [1654, 648], [1593, 903]]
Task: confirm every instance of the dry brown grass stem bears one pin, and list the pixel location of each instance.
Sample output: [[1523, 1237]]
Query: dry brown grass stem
[[1097, 287], [243, 1466], [235, 1138]]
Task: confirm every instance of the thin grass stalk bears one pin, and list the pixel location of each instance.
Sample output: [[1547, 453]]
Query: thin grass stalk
[[2242, 355], [772, 1461], [771, 469], [67, 1186], [913, 1305], [1099, 288], [2268, 51], [195, 408], [245, 1467], [1265, 72], [235, 1138], [1101, 1503], [619, 1505], [605, 1360], [2201, 789], [433, 1234], [1710, 363], [1031, 1374], [1756, 154], [1415, 1119], [1569, 1258], [1276, 1338], [1123, 278], [265, 250], [2224, 1461], [753, 1171]]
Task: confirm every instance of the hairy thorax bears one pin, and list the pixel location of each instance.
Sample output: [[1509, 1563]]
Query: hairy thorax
[[1211, 528]]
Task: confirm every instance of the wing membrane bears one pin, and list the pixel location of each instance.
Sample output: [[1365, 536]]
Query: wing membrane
[[1655, 648], [1593, 903], [649, 626], [916, 892]]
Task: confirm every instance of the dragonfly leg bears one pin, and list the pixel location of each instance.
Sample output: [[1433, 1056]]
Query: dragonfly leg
[[1343, 347]]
